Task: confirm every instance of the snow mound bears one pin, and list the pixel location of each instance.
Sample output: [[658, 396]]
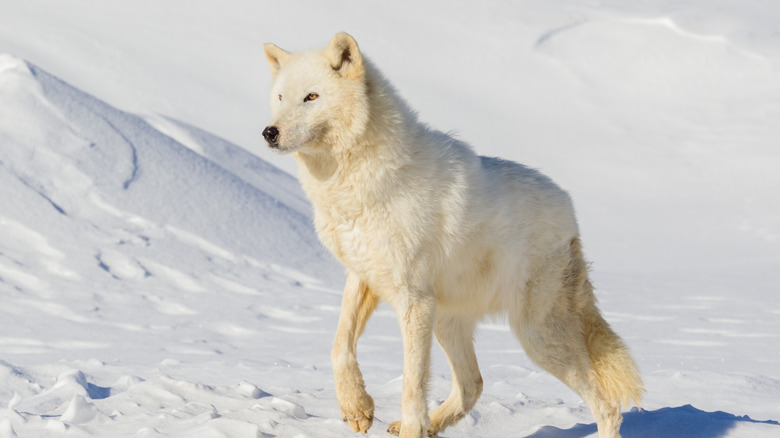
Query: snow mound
[[118, 239], [90, 164]]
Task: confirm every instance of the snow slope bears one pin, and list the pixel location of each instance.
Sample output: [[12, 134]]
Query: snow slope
[[158, 280], [117, 238]]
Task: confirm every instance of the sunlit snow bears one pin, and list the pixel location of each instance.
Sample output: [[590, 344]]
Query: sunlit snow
[[159, 274]]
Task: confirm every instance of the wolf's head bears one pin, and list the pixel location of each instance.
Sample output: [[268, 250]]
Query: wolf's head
[[318, 99]]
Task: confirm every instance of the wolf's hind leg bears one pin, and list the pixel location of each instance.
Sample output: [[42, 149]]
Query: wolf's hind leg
[[358, 303], [558, 346], [456, 337], [562, 330]]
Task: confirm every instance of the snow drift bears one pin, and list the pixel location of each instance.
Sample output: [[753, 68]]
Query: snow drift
[[89, 165], [113, 234]]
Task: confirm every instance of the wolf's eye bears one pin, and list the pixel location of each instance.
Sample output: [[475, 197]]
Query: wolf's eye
[[311, 96]]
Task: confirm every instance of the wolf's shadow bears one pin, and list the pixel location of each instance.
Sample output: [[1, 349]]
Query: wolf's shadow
[[680, 422]]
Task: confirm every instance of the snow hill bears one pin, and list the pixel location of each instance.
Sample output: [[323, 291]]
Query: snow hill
[[159, 279], [107, 224], [76, 153]]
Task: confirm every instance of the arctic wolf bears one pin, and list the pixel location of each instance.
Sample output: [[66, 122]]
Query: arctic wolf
[[445, 236]]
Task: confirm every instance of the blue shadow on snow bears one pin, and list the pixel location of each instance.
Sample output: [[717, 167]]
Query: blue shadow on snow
[[680, 422]]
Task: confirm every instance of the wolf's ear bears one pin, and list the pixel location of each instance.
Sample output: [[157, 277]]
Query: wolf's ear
[[345, 56], [276, 57]]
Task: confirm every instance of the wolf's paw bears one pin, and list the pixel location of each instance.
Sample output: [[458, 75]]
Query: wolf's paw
[[359, 413], [395, 429]]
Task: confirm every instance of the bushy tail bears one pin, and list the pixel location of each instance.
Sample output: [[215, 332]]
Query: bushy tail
[[616, 371]]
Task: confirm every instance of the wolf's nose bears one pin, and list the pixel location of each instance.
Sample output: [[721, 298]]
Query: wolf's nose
[[271, 135]]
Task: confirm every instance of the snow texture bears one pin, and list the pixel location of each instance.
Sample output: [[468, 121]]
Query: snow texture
[[159, 274]]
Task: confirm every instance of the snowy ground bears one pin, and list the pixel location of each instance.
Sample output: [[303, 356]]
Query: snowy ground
[[159, 275]]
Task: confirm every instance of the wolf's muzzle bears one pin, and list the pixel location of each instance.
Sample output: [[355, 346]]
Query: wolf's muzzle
[[271, 135]]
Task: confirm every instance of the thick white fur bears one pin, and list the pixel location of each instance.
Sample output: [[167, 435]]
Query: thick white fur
[[443, 235]]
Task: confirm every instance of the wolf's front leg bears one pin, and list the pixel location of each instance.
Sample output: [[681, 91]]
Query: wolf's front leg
[[356, 405], [415, 316]]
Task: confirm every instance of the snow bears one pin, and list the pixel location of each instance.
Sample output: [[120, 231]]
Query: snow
[[159, 275]]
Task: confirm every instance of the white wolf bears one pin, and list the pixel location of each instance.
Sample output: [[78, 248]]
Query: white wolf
[[443, 235]]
